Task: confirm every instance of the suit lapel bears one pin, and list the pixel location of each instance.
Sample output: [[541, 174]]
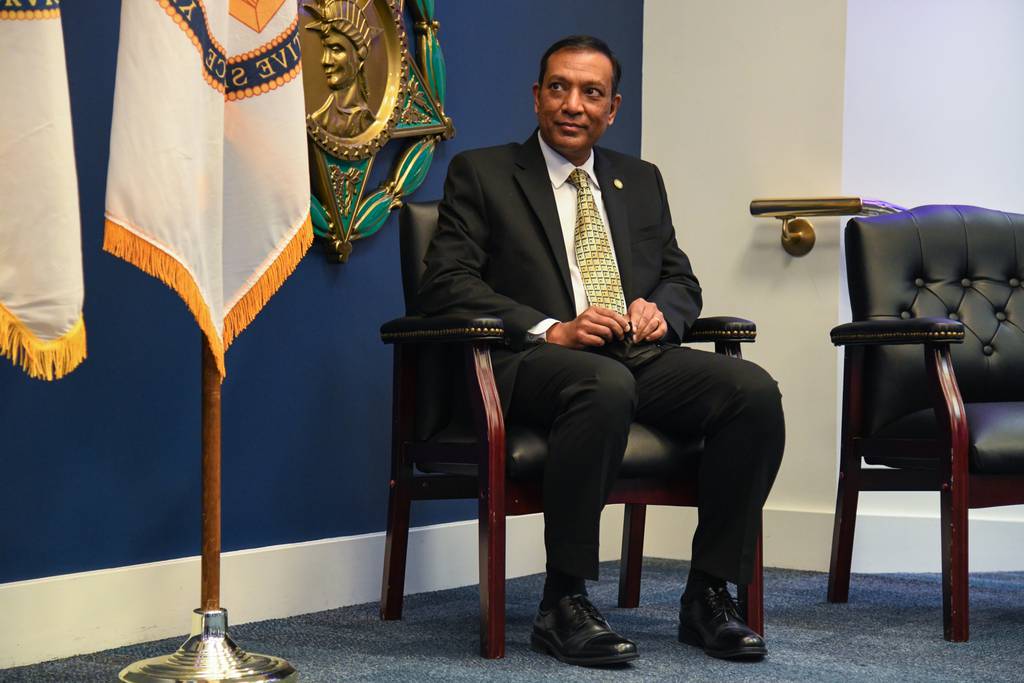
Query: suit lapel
[[532, 176], [618, 218]]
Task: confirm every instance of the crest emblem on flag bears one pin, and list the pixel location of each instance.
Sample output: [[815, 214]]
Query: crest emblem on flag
[[255, 13]]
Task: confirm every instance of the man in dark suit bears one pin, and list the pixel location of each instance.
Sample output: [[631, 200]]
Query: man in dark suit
[[573, 246]]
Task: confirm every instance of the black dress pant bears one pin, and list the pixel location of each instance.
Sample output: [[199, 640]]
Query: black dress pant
[[587, 400]]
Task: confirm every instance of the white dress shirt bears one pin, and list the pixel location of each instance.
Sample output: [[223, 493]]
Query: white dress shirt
[[559, 169]]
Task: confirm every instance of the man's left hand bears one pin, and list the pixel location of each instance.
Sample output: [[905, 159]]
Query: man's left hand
[[647, 320]]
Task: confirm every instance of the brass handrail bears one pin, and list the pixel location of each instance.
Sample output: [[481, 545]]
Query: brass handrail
[[798, 232]]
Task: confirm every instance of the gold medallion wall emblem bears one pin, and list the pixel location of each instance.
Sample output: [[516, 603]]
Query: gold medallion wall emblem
[[363, 88]]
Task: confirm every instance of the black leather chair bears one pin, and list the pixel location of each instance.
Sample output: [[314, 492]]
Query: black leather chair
[[450, 441], [945, 280]]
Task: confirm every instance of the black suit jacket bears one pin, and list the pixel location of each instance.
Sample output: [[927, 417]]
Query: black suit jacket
[[499, 248]]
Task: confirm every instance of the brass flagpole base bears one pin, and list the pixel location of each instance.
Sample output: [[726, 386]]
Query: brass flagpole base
[[209, 654]]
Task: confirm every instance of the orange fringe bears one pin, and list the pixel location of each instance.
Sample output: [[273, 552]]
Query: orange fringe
[[273, 276], [150, 259], [40, 358]]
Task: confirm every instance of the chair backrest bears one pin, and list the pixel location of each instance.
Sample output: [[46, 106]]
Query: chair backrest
[[960, 262], [417, 223], [441, 403]]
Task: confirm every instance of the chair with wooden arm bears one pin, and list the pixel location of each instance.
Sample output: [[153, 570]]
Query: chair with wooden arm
[[450, 440], [945, 281]]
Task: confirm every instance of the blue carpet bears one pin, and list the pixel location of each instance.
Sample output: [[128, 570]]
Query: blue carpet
[[891, 630]]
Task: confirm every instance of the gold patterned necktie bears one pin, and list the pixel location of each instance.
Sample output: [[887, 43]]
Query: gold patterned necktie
[[594, 251]]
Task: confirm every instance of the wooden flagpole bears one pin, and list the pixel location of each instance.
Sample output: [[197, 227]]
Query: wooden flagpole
[[211, 385]]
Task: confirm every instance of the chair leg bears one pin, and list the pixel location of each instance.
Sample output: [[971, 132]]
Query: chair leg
[[955, 601], [848, 488], [631, 564], [751, 596], [492, 579], [490, 427], [954, 494], [396, 545], [395, 550], [847, 494]]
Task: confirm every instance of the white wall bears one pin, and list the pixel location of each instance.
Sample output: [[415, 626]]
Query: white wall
[[912, 101], [934, 102], [742, 100], [935, 114]]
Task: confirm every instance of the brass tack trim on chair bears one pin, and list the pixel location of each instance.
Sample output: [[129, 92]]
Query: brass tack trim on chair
[[881, 336], [725, 333], [449, 332]]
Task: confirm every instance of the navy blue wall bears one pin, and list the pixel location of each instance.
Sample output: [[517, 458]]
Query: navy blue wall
[[101, 469]]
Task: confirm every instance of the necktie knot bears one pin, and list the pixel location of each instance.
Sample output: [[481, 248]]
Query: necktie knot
[[578, 177]]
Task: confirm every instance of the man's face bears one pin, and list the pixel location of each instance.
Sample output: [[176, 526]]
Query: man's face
[[339, 60], [575, 104]]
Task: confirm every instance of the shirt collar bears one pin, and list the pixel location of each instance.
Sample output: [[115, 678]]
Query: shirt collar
[[559, 167]]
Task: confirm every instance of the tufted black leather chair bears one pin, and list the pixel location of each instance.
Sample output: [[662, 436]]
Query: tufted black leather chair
[[450, 441], [948, 279]]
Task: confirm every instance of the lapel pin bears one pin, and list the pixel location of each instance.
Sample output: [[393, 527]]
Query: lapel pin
[[617, 183]]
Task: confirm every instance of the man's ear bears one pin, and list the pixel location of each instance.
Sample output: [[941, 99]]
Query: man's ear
[[616, 101], [536, 98]]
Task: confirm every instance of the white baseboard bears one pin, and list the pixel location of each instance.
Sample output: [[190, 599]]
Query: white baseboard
[[802, 539], [61, 616]]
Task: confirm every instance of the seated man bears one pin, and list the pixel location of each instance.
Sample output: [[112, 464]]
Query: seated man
[[555, 236]]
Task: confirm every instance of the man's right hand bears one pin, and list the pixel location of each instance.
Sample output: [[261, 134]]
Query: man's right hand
[[595, 326]]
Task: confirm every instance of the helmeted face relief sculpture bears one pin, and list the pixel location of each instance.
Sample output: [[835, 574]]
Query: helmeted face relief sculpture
[[340, 60], [345, 36]]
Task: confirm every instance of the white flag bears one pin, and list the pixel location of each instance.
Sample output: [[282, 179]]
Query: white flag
[[208, 185], [41, 327]]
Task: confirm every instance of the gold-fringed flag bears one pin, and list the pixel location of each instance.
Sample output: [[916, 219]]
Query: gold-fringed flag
[[41, 327], [208, 184]]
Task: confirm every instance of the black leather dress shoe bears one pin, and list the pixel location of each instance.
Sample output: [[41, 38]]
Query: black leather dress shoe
[[711, 621], [576, 633]]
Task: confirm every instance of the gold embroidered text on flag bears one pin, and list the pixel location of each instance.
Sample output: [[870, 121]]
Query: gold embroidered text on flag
[[208, 185], [41, 326]]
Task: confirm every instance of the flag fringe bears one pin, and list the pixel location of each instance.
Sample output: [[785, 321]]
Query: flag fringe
[[41, 358], [150, 259], [246, 308]]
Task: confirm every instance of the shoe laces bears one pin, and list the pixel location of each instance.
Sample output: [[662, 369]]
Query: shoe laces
[[721, 603], [583, 610]]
